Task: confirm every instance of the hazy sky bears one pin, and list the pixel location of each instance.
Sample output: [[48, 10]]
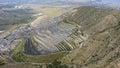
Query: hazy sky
[[97, 0], [111, 0], [60, 0]]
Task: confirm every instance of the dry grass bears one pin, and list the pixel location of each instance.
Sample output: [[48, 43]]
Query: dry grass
[[51, 11], [18, 65]]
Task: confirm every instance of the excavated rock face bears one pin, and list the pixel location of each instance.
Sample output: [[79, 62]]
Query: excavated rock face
[[47, 34], [40, 37]]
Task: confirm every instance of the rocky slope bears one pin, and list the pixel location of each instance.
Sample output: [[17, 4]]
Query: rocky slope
[[101, 49]]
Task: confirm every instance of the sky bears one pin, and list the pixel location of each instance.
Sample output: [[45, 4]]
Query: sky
[[111, 0], [60, 0], [98, 0]]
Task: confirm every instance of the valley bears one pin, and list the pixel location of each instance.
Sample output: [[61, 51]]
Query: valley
[[60, 37]]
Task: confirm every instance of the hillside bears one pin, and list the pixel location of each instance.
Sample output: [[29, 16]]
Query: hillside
[[101, 49], [86, 37]]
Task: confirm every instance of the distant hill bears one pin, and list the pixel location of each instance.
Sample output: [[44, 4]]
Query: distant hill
[[46, 1], [97, 3], [10, 17]]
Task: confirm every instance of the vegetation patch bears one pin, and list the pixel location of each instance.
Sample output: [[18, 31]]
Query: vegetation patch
[[2, 62]]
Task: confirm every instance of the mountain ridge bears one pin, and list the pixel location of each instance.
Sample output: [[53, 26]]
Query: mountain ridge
[[101, 49]]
